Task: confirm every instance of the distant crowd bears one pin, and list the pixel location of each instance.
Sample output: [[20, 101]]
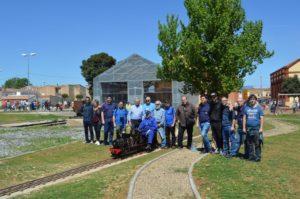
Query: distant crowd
[[232, 125]]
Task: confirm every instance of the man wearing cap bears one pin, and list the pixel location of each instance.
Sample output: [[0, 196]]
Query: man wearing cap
[[253, 121], [185, 115], [159, 115], [216, 121], [148, 129]]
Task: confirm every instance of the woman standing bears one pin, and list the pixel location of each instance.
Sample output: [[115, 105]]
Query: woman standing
[[97, 125]]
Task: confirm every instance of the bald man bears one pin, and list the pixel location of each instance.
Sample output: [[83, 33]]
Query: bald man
[[239, 111]]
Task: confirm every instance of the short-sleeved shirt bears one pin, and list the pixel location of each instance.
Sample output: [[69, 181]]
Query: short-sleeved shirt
[[253, 114], [108, 110]]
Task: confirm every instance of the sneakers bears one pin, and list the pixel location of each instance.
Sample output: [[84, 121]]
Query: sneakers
[[97, 143]]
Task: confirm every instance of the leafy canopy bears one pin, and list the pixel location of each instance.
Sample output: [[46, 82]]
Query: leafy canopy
[[291, 85], [215, 50], [16, 83], [95, 65]]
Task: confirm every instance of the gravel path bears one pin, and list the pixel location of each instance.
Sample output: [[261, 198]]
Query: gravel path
[[280, 127]]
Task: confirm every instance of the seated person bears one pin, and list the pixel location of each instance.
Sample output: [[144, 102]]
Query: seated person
[[148, 129]]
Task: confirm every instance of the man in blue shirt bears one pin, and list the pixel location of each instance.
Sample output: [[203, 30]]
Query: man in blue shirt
[[148, 105], [120, 119], [108, 109], [135, 115], [148, 129], [170, 117], [253, 121], [87, 113], [159, 115], [228, 133], [204, 122]]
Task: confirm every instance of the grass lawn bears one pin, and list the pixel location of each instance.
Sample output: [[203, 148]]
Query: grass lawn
[[277, 176], [49, 161], [108, 183], [7, 118]]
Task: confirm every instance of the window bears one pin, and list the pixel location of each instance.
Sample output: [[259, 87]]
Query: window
[[116, 90], [158, 90]]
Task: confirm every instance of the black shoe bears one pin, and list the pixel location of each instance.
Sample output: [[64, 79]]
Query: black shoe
[[148, 148]]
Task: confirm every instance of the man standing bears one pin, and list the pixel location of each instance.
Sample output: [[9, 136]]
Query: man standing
[[148, 128], [170, 117], [87, 113], [148, 105], [230, 142], [135, 115], [120, 119], [159, 115], [97, 121], [107, 119], [185, 114], [204, 122], [253, 121], [239, 113], [216, 121]]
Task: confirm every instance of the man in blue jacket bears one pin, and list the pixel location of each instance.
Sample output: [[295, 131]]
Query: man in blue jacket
[[108, 109], [120, 119], [170, 117], [148, 129], [87, 113], [204, 122]]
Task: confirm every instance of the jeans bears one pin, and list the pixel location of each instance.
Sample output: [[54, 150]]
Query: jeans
[[108, 131], [242, 140], [170, 130], [189, 129], [216, 128], [97, 128], [253, 143], [204, 128], [88, 126], [231, 141], [161, 131]]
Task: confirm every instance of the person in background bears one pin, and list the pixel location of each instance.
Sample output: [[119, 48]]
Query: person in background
[[120, 119], [128, 106], [185, 115], [230, 139], [108, 109], [204, 122], [216, 122], [170, 117], [159, 115], [253, 121], [294, 106], [148, 128], [87, 113], [97, 121], [135, 115], [148, 105]]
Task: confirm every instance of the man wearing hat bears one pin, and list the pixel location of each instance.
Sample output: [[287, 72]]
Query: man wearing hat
[[148, 129], [253, 121]]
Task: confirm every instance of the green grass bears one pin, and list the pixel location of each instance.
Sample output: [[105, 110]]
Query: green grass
[[277, 176], [109, 183], [8, 118], [49, 161]]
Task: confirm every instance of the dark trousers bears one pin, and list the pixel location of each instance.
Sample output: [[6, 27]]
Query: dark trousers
[[88, 126], [135, 125], [253, 144], [97, 128], [189, 130], [108, 131], [170, 131], [216, 128]]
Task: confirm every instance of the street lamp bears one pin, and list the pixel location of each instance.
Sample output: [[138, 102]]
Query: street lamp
[[28, 55]]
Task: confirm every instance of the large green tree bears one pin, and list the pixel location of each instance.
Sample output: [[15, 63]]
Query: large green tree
[[215, 50], [16, 82], [291, 85], [95, 65]]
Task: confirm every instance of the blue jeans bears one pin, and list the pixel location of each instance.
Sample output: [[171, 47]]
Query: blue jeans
[[204, 128], [108, 131], [231, 141], [162, 133]]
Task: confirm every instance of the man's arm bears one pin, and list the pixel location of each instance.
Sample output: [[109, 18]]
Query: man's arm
[[102, 117], [261, 123], [244, 123]]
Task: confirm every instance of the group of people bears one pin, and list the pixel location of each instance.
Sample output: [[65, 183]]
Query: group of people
[[19, 105], [232, 125]]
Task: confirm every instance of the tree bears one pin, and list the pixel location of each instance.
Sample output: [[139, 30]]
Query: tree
[[215, 50], [16, 83], [64, 95], [95, 65], [291, 85], [79, 97]]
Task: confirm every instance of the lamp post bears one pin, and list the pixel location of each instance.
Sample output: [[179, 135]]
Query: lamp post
[[28, 55]]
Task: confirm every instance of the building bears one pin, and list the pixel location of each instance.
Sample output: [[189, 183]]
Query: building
[[261, 93], [135, 77], [278, 77]]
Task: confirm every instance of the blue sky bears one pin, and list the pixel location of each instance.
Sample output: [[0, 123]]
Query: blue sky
[[63, 33]]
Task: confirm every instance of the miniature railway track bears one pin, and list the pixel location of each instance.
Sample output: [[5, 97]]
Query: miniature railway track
[[51, 178]]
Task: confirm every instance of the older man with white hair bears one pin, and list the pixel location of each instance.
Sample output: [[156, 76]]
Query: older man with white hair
[[159, 115]]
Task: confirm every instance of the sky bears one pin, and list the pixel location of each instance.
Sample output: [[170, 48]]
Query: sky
[[63, 33]]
